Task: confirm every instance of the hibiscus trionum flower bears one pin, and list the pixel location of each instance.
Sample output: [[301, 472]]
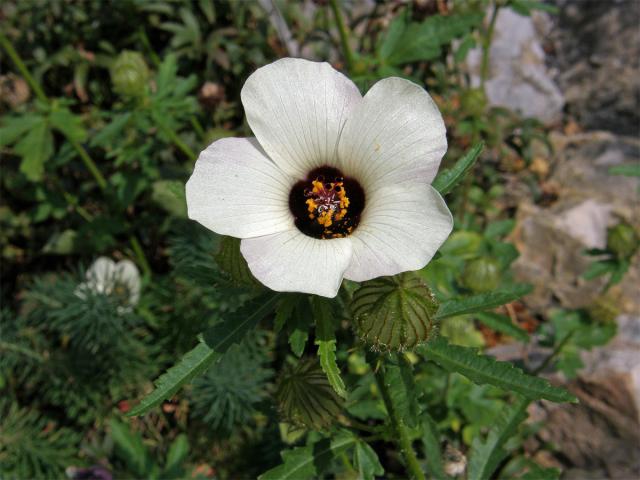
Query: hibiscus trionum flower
[[334, 185], [107, 277]]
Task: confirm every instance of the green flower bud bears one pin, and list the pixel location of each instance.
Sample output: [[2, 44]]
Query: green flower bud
[[130, 74], [473, 101], [622, 240], [481, 274], [305, 397], [604, 309], [394, 313]]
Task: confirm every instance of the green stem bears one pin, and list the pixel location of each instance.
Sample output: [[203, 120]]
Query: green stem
[[344, 35], [89, 163], [35, 86], [142, 260], [178, 142], [197, 126], [486, 45], [555, 353], [402, 435]]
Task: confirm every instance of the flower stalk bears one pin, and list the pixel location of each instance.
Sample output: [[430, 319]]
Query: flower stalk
[[401, 433], [486, 45]]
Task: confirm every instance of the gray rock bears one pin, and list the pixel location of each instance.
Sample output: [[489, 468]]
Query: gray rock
[[596, 47], [518, 77]]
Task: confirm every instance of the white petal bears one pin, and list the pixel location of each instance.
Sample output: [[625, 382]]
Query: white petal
[[127, 273], [294, 262], [401, 229], [236, 190], [100, 275], [296, 109], [395, 133]]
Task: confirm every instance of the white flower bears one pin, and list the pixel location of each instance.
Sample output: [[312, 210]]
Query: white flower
[[110, 278], [335, 185]]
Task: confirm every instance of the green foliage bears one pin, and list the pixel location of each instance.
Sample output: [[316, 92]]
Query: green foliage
[[431, 444], [482, 369], [32, 446], [216, 341], [326, 342], [502, 324], [486, 456], [482, 301], [447, 179], [394, 313], [227, 395]]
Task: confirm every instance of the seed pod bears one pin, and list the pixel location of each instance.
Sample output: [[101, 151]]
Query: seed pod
[[305, 397], [394, 313], [622, 240], [130, 74], [481, 274]]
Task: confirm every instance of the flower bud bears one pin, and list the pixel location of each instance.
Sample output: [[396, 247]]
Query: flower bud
[[130, 74], [622, 240], [306, 398], [473, 101], [481, 274], [604, 309]]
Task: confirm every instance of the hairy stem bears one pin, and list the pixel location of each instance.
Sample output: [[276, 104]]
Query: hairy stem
[[344, 34], [402, 435]]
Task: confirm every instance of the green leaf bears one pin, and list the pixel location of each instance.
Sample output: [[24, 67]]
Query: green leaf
[[298, 327], [297, 465], [302, 462], [61, 243], [597, 269], [129, 447], [502, 324], [431, 443], [447, 179], [108, 135], [499, 228], [35, 148], [482, 301], [482, 369], [230, 259], [398, 378], [394, 312], [170, 195], [217, 340], [69, 124], [486, 456], [16, 126], [326, 342], [632, 170], [366, 462], [286, 306], [177, 454]]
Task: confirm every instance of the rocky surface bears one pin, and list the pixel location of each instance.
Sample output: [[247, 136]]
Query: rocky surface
[[552, 238], [596, 50], [519, 78]]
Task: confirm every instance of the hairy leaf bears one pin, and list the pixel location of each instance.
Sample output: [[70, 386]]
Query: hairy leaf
[[35, 148], [366, 462], [482, 369], [398, 378], [448, 178], [233, 263], [486, 456], [303, 462], [482, 301], [431, 443], [217, 340], [326, 342]]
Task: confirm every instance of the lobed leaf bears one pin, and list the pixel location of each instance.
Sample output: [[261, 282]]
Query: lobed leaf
[[482, 369], [448, 178], [326, 342]]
